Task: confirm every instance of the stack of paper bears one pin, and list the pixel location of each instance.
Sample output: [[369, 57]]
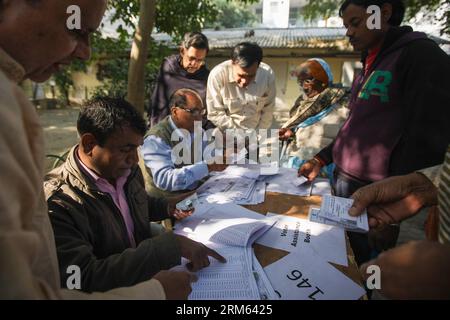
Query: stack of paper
[[286, 181], [230, 230], [334, 211], [236, 184]]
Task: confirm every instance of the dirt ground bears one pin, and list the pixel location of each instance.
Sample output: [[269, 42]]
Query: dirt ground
[[60, 131], [60, 134]]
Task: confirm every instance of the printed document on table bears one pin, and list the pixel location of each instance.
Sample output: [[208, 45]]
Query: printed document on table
[[314, 216], [307, 276], [294, 235], [225, 224], [336, 209], [233, 280], [250, 172], [286, 182], [265, 288]]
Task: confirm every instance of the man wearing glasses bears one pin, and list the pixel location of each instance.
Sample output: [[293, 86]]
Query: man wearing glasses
[[170, 170], [184, 70]]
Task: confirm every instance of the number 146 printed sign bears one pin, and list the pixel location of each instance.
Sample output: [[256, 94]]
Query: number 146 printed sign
[[306, 276]]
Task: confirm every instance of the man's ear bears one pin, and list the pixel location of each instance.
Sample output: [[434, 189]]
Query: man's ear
[[88, 142], [386, 12], [174, 113]]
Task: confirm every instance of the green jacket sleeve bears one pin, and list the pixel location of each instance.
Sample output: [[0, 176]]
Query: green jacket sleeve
[[75, 242]]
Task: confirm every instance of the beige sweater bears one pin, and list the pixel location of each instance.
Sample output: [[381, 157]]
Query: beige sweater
[[28, 263]]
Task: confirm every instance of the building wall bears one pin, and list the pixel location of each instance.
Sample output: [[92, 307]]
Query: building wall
[[280, 60], [84, 84]]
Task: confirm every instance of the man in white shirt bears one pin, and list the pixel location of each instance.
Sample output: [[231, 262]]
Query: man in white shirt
[[241, 91]]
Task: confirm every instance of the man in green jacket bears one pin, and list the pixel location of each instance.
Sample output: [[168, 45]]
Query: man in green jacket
[[100, 211]]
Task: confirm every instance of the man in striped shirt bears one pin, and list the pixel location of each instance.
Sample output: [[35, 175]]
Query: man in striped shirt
[[418, 269]]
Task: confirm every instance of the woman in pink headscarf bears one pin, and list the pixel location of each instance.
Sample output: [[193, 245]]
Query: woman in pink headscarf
[[317, 115]]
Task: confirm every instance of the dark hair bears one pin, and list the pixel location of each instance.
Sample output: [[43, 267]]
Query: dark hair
[[196, 40], [179, 98], [398, 8], [102, 116], [245, 54]]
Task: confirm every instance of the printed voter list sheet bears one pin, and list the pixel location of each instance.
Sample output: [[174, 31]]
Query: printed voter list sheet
[[306, 276], [336, 209], [314, 216], [233, 280], [294, 235]]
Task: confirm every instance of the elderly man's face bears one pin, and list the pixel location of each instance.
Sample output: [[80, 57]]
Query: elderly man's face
[[193, 59], [185, 118], [35, 33]]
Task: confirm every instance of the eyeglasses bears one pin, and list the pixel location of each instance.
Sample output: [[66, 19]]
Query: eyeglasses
[[302, 82], [199, 62], [195, 112]]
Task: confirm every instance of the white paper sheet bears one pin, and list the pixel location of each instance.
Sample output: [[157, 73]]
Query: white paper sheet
[[336, 209], [230, 230], [226, 224], [299, 181], [250, 172], [284, 181], [320, 187], [220, 189], [294, 235], [307, 276], [269, 169], [233, 280], [314, 216], [266, 291]]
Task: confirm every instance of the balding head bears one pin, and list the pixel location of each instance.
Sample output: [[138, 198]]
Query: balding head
[[186, 107]]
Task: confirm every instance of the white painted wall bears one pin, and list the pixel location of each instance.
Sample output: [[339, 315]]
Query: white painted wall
[[276, 13]]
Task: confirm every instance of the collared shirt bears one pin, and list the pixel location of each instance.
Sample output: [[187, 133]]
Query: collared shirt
[[232, 107], [117, 193], [157, 156], [26, 232], [444, 201]]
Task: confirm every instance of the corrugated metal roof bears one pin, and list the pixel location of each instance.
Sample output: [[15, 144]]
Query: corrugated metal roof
[[292, 38], [271, 38]]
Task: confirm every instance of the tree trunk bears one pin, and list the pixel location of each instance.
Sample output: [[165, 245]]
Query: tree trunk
[[139, 52]]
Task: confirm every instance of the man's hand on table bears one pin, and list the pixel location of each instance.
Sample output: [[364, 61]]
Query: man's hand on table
[[197, 253], [310, 169]]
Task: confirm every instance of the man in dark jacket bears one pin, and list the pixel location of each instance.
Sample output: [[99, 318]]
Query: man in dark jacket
[[184, 70], [399, 117], [100, 211]]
